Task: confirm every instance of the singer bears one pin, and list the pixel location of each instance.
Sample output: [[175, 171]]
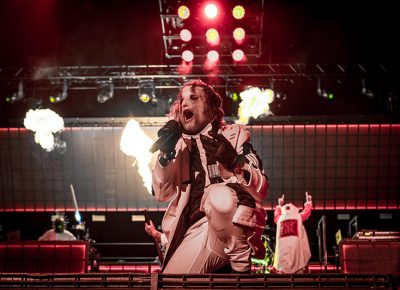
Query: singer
[[215, 183]]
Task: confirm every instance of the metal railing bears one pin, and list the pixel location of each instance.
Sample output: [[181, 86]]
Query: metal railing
[[322, 250]]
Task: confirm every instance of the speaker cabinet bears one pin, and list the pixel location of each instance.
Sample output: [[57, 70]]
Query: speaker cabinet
[[43, 257], [370, 256]]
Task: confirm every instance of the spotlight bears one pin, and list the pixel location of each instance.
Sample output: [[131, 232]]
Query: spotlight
[[238, 55], [185, 35], [187, 56], [239, 34], [212, 36], [183, 12], [279, 95], [213, 55], [238, 12], [323, 93], [146, 91], [17, 96], [366, 92], [211, 11], [61, 96], [106, 92]]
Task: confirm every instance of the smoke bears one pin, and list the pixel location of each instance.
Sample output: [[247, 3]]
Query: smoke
[[255, 102], [135, 143], [45, 123]]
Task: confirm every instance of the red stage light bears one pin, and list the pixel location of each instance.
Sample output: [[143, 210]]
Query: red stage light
[[211, 10], [183, 12], [213, 55], [238, 12], [187, 56], [238, 55], [185, 35], [239, 34], [212, 36]]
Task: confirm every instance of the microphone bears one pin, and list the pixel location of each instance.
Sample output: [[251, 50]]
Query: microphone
[[161, 142], [168, 135]]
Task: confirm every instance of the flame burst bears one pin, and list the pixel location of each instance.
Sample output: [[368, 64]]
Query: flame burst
[[255, 102], [44, 122], [135, 143]]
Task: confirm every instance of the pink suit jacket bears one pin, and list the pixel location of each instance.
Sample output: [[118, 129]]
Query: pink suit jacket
[[173, 182]]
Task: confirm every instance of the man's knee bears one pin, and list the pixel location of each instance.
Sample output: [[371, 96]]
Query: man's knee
[[221, 200]]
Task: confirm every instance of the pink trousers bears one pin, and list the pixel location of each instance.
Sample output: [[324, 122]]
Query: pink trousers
[[214, 240]]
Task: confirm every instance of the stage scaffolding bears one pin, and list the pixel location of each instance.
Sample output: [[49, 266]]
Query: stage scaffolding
[[168, 76]]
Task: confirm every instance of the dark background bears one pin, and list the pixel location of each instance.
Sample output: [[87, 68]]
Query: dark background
[[93, 33], [99, 32]]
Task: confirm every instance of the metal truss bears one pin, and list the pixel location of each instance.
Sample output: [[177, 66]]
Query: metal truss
[[169, 76]]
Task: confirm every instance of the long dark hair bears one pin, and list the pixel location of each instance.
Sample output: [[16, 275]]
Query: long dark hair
[[213, 104]]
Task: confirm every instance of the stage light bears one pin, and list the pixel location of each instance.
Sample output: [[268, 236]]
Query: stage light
[[211, 11], [146, 91], [187, 56], [324, 93], [17, 96], [61, 96], [239, 34], [106, 92], [212, 55], [185, 35], [183, 12], [212, 36], [279, 95], [145, 98], [238, 12], [366, 92], [238, 55]]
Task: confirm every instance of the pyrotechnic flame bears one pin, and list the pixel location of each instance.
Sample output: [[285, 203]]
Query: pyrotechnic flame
[[44, 122], [135, 143], [255, 102]]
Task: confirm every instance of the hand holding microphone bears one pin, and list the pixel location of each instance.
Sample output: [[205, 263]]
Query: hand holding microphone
[[168, 136]]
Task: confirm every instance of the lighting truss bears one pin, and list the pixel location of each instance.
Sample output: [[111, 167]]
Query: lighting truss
[[127, 77]]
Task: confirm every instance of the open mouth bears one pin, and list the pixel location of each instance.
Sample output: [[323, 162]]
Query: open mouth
[[187, 115]]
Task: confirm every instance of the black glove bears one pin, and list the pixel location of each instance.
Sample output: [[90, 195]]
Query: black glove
[[219, 149], [244, 197], [169, 135]]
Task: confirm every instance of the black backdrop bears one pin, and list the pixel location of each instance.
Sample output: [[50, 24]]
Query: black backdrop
[[343, 166]]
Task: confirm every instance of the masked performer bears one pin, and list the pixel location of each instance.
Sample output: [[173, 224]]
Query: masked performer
[[58, 232], [292, 250], [215, 183]]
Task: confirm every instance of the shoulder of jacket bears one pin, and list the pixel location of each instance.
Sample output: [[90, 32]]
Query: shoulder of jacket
[[236, 134], [230, 132], [233, 129]]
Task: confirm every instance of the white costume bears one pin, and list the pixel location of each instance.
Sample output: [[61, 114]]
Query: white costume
[[292, 250], [225, 231], [51, 235]]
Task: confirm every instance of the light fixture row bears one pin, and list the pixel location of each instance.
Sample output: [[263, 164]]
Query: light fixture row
[[105, 92]]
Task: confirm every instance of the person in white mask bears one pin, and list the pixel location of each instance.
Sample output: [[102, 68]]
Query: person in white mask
[[292, 250]]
